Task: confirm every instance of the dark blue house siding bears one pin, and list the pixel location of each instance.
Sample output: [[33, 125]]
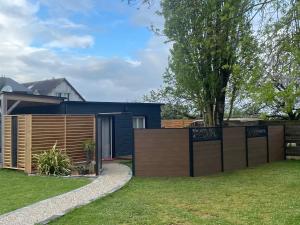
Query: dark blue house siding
[[150, 111], [123, 134]]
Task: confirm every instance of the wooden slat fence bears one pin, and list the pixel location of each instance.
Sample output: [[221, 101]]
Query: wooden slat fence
[[21, 142], [38, 133], [7, 142], [176, 123]]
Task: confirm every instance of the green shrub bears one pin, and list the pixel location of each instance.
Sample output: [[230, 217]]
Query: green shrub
[[53, 162]]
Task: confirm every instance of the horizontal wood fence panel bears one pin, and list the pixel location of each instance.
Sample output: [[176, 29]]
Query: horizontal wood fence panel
[[257, 151], [7, 142], [276, 143], [21, 142], [38, 133], [78, 130], [207, 157], [234, 148], [176, 123], [161, 152]]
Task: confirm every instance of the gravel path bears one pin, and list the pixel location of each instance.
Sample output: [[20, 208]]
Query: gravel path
[[113, 178]]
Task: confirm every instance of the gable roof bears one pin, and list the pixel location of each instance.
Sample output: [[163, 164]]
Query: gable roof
[[45, 87], [16, 87]]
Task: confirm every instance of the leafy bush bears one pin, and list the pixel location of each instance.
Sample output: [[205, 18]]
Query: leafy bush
[[53, 162]]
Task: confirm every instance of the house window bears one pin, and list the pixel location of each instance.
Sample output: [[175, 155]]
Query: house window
[[67, 95], [139, 122], [64, 95]]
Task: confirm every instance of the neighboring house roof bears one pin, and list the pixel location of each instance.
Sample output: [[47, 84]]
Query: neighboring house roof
[[15, 86], [45, 87]]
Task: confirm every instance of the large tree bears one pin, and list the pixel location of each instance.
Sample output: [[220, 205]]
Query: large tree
[[174, 107], [212, 39], [214, 58]]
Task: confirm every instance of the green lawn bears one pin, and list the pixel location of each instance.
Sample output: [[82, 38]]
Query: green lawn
[[18, 190], [269, 194]]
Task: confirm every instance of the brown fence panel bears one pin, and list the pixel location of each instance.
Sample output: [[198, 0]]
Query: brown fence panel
[[276, 143], [207, 157], [161, 152], [257, 151], [234, 148]]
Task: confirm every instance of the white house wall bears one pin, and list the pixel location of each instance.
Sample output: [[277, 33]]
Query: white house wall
[[65, 88]]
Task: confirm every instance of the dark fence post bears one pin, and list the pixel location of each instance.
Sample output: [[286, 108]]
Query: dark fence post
[[98, 152], [268, 152], [191, 151], [222, 149], [97, 146], [246, 143], [133, 154], [284, 140]]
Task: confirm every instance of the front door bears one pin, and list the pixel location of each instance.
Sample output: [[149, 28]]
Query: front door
[[106, 137]]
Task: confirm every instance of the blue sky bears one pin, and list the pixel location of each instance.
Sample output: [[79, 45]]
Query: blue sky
[[105, 48], [112, 28]]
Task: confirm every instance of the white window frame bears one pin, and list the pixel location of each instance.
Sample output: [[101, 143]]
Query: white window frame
[[137, 118]]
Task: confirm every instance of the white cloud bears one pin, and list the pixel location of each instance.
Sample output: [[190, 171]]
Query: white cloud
[[97, 78], [71, 41], [63, 7], [146, 15], [62, 23]]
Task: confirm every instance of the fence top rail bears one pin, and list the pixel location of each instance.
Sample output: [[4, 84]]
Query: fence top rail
[[248, 126], [50, 115]]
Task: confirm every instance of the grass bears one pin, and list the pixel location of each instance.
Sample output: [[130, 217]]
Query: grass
[[268, 194], [18, 190]]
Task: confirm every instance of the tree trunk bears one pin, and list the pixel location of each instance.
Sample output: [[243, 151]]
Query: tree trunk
[[232, 100]]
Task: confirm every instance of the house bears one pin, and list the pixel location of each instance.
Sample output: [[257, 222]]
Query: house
[[9, 85], [119, 120], [114, 121], [55, 87]]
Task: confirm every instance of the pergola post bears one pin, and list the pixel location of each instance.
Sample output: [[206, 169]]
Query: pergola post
[[13, 100], [3, 113]]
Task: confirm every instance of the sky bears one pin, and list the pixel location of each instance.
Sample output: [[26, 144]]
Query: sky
[[103, 47]]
